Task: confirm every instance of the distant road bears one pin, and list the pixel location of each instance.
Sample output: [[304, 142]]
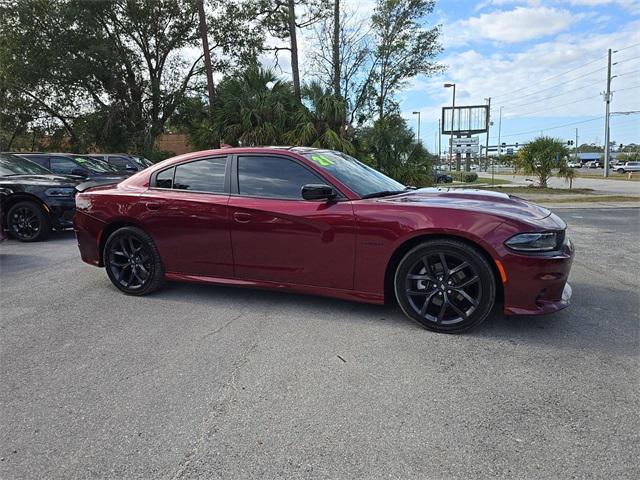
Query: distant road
[[618, 187]]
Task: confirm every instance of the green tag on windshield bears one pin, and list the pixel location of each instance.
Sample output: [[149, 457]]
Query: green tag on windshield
[[81, 160], [322, 160]]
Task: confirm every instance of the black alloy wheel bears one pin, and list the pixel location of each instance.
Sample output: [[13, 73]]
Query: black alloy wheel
[[445, 285], [132, 261], [27, 222]]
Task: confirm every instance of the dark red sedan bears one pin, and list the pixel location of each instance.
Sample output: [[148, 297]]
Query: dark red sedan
[[318, 221]]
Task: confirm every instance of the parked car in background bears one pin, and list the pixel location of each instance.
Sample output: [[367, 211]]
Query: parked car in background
[[442, 177], [79, 165], [319, 221], [34, 201], [628, 167], [123, 162], [594, 164], [574, 164]]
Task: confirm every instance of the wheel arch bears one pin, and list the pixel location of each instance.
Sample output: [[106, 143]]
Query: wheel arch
[[10, 200], [108, 230], [416, 240]]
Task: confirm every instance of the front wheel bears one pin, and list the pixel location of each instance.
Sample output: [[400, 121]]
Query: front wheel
[[445, 285], [27, 222], [133, 262]]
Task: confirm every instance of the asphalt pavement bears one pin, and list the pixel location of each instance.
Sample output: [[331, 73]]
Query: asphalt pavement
[[210, 382]]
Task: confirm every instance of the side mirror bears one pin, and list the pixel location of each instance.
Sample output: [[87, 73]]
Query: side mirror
[[79, 172], [318, 192]]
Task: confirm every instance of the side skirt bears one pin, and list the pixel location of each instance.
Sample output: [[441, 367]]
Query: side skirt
[[366, 297]]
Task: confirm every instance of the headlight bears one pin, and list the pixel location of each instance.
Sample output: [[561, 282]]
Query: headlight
[[534, 242], [60, 192]]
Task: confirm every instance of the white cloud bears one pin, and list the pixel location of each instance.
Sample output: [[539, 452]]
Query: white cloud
[[511, 78], [513, 26]]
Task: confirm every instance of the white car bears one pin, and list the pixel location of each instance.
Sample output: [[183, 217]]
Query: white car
[[575, 164], [628, 167]]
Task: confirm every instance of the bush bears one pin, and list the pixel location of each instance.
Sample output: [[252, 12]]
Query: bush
[[466, 177]]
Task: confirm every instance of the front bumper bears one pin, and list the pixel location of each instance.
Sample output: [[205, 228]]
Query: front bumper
[[61, 211], [537, 284]]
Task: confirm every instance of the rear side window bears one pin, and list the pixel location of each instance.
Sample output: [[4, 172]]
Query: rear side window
[[164, 179], [273, 177], [63, 165], [120, 162], [199, 176]]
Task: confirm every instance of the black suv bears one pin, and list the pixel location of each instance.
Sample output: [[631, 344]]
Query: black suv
[[33, 199], [123, 162], [71, 164]]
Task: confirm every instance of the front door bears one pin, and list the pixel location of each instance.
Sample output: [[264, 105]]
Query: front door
[[185, 212], [277, 236]]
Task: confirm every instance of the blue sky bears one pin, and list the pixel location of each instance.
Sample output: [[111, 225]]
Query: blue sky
[[543, 61]]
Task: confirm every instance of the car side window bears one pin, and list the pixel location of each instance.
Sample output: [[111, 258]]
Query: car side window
[[199, 176], [164, 179], [273, 177], [63, 165], [120, 162]]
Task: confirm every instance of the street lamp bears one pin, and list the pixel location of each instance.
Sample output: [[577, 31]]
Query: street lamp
[[453, 109], [418, 113]]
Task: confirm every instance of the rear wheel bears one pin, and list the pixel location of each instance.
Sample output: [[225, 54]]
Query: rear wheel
[[133, 262], [27, 222], [445, 285]]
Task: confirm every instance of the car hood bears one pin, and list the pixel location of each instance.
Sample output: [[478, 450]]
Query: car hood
[[474, 200], [42, 180]]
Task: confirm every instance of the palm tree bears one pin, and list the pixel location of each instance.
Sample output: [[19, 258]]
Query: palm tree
[[319, 122], [541, 157], [254, 108]]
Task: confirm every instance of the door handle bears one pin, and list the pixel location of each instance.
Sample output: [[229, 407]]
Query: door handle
[[153, 206], [242, 217]]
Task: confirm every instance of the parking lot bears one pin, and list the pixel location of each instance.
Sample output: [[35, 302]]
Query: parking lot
[[212, 382]]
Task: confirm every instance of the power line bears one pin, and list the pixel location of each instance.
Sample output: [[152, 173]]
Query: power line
[[626, 60], [554, 96], [557, 106], [627, 73], [559, 75], [627, 88], [554, 127], [626, 48]]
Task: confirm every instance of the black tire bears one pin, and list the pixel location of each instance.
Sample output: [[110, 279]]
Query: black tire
[[445, 285], [620, 170], [28, 222], [132, 261]]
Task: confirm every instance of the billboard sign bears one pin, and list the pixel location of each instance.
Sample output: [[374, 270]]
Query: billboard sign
[[473, 149], [466, 141], [467, 120]]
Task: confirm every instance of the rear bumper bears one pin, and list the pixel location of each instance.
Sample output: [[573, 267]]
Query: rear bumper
[[88, 230], [537, 285]]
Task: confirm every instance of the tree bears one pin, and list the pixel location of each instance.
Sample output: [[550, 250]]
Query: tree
[[390, 146], [319, 121], [541, 157], [354, 68], [404, 48], [282, 21], [254, 108], [121, 62]]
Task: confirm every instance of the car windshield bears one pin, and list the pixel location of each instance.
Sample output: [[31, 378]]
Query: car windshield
[[360, 178], [15, 165], [94, 164], [143, 161]]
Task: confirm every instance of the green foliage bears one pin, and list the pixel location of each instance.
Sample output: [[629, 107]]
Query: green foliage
[[541, 157], [404, 48], [390, 147], [466, 177]]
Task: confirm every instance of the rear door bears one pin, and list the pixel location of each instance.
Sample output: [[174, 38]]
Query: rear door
[[277, 236], [185, 212]]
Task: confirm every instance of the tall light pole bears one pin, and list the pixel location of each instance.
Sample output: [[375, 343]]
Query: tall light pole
[[453, 109], [418, 113]]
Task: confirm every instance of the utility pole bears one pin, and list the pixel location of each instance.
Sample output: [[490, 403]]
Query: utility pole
[[607, 99], [499, 133], [207, 54], [453, 109], [486, 148], [439, 139], [576, 149]]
